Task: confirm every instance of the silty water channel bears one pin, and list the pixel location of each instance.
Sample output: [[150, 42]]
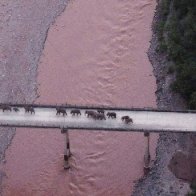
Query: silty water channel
[[95, 53]]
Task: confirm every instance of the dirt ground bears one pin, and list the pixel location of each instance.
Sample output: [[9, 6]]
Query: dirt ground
[[23, 30]]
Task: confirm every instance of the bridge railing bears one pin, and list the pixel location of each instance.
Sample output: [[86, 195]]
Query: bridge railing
[[96, 107]]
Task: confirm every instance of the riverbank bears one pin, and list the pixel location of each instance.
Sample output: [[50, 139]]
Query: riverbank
[[160, 181], [23, 30]]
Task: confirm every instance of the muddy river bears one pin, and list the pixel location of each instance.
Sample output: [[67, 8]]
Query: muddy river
[[95, 53]]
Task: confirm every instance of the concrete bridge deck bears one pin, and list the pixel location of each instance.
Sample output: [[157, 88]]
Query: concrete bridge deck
[[151, 120]]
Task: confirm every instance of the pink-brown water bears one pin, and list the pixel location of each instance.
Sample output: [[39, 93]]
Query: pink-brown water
[[95, 53]]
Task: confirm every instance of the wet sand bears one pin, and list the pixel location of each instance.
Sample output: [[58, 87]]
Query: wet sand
[[95, 53]]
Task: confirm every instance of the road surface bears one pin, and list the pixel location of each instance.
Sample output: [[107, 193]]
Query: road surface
[[143, 120]]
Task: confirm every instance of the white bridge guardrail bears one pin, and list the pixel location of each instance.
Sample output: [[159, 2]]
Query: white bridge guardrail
[[150, 120]]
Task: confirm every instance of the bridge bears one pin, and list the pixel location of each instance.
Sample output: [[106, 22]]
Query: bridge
[[144, 120]]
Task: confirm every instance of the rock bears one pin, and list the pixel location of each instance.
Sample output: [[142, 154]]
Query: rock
[[183, 166]]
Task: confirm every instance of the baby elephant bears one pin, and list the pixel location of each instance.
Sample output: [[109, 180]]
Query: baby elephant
[[15, 109], [98, 116], [29, 109], [75, 112], [5, 107], [111, 115], [90, 113], [127, 119], [101, 111]]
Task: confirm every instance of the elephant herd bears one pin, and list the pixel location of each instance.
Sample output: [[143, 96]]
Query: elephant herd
[[96, 115], [28, 109]]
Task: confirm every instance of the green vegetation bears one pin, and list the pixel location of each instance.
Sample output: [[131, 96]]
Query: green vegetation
[[193, 188], [176, 32]]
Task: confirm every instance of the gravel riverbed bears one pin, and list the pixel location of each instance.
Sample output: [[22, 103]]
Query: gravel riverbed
[[23, 31]]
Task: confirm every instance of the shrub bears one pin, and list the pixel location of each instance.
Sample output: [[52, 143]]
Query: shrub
[[162, 47], [177, 37], [171, 69], [193, 188]]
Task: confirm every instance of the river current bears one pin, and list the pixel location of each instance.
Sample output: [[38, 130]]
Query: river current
[[95, 53]]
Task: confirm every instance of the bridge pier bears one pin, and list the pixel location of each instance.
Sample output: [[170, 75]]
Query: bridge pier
[[67, 152], [147, 157]]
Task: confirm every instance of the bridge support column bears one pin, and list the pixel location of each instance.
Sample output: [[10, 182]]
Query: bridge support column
[[147, 157], [67, 152]]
